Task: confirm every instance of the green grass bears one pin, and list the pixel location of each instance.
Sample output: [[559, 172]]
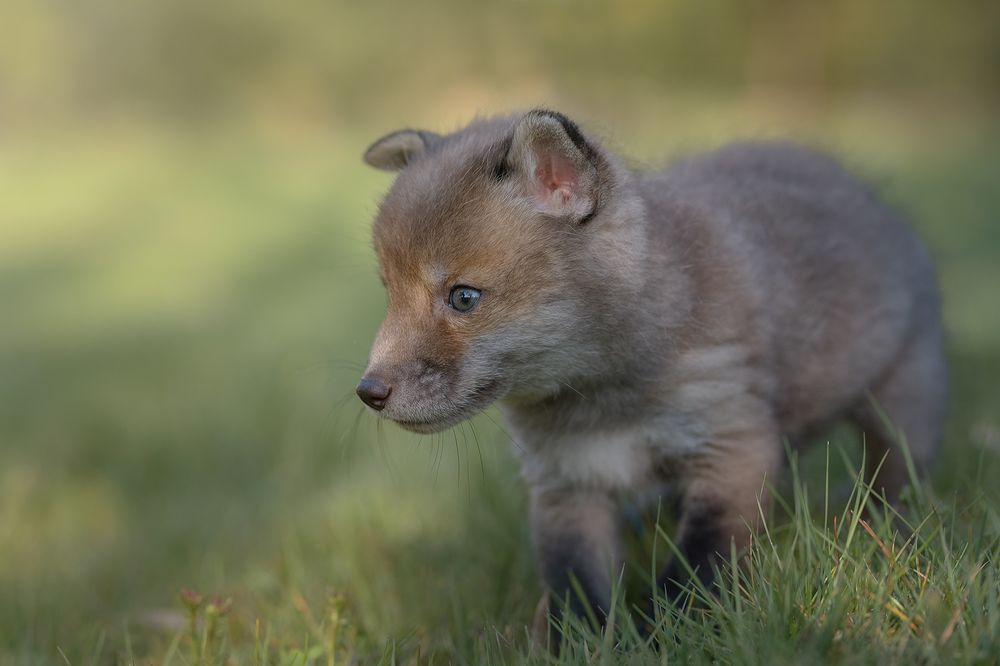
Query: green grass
[[185, 316]]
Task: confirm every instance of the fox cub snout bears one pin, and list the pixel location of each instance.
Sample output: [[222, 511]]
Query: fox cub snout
[[635, 327]]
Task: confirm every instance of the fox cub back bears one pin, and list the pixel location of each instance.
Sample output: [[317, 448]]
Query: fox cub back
[[638, 327]]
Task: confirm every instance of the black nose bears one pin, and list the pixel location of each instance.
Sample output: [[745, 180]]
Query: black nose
[[373, 392]]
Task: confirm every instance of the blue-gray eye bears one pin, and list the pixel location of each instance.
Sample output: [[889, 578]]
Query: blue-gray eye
[[463, 299]]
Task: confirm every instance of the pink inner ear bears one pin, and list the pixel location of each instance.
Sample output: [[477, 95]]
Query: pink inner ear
[[555, 175]]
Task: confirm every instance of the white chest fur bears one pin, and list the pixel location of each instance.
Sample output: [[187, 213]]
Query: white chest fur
[[623, 459], [704, 381]]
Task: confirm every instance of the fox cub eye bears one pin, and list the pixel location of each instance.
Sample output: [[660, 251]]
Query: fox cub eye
[[463, 299]]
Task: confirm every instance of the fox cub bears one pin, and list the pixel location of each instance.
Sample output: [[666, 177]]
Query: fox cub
[[637, 327]]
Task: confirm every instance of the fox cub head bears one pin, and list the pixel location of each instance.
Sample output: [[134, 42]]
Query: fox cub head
[[505, 249]]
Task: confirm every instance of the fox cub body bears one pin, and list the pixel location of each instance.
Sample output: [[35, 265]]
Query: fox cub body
[[642, 327]]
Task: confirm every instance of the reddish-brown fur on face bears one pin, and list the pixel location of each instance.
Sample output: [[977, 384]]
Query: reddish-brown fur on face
[[459, 238]]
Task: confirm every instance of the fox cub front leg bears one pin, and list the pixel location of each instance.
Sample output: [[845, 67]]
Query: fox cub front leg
[[575, 537], [725, 495]]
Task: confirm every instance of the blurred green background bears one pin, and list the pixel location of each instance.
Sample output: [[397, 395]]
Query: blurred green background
[[188, 292]]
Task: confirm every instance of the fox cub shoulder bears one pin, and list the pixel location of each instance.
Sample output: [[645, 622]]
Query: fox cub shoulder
[[637, 326]]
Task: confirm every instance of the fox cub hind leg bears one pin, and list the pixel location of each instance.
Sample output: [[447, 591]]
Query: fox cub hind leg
[[907, 403]]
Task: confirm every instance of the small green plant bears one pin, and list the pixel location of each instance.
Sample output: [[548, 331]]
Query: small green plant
[[206, 626]]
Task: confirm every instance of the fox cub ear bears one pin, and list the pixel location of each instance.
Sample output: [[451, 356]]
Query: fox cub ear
[[397, 149], [558, 166]]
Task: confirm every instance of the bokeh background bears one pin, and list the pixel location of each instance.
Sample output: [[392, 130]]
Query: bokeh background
[[187, 289]]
